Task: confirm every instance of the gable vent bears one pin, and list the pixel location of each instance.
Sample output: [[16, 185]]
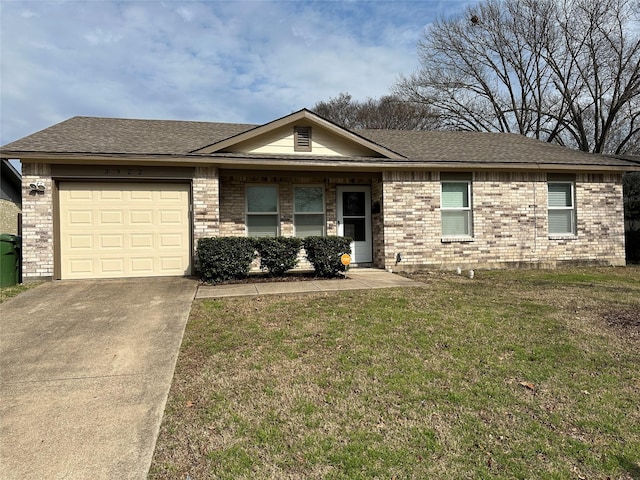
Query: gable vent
[[302, 139]]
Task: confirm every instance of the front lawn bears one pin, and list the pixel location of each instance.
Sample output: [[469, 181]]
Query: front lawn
[[512, 374]]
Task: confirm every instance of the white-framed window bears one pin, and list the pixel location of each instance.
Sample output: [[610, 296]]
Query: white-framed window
[[455, 206], [262, 211], [308, 211], [561, 209]]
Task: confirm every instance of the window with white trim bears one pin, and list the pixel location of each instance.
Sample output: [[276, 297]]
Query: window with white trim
[[262, 213], [455, 206], [308, 211], [561, 212]]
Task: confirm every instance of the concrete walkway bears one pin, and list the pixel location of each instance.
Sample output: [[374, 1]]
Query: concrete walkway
[[357, 279], [86, 368]]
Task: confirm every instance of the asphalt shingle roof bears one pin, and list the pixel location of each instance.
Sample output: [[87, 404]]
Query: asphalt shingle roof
[[92, 135], [118, 136], [481, 147]]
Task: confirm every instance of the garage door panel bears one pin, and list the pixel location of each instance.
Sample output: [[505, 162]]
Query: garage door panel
[[141, 240], [170, 195], [172, 264], [171, 217], [141, 217], [112, 265], [81, 242], [112, 217], [141, 265], [80, 194], [81, 266], [79, 217], [142, 195], [109, 195], [124, 229], [168, 240], [111, 241]]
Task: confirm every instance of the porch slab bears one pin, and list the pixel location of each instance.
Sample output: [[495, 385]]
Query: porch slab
[[357, 279], [375, 278]]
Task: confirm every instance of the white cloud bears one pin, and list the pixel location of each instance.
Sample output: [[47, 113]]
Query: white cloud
[[100, 37], [249, 61], [185, 13], [27, 14]]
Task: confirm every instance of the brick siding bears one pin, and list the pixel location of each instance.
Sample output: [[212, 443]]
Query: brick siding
[[37, 223], [205, 198], [510, 227]]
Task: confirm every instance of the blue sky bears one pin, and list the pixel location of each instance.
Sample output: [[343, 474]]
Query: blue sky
[[221, 61]]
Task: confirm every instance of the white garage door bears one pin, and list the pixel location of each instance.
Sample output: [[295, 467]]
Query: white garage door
[[113, 230]]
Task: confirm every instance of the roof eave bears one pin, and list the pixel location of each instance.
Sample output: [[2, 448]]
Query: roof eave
[[329, 163]]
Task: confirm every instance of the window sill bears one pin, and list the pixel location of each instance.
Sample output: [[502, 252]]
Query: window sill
[[456, 239], [563, 236]]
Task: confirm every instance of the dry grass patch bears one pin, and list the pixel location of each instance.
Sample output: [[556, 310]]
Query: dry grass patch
[[509, 375], [9, 292]]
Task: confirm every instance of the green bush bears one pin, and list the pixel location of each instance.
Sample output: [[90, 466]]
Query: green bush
[[225, 258], [279, 254], [324, 254]]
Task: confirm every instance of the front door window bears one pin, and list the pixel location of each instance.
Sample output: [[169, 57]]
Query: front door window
[[354, 220], [354, 215]]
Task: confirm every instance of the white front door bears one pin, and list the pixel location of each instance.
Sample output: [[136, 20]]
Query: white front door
[[354, 220]]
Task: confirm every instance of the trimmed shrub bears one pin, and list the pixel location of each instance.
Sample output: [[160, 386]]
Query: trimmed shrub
[[224, 258], [279, 254], [324, 254]]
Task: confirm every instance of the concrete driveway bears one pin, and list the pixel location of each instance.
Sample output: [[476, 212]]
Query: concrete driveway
[[85, 370]]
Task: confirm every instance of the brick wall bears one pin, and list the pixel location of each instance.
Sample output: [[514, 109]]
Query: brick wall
[[410, 223], [205, 200], [37, 223], [509, 222]]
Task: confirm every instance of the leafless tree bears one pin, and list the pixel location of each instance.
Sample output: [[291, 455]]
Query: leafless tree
[[387, 112], [565, 71]]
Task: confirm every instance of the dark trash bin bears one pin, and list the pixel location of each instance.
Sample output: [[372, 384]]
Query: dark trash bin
[[9, 260]]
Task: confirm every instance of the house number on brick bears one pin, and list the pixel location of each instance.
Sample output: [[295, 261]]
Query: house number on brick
[[123, 171]]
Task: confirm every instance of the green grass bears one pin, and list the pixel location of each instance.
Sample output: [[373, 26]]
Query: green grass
[[513, 374], [9, 292]]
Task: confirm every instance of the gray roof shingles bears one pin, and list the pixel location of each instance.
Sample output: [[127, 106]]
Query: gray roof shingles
[[92, 135], [121, 136], [482, 147]]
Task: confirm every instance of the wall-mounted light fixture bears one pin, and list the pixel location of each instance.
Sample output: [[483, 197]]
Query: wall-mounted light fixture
[[37, 187], [399, 257]]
